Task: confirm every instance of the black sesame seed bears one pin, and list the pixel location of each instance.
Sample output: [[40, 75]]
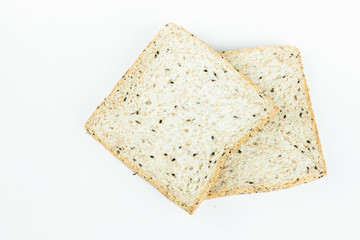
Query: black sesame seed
[[180, 147], [280, 155], [137, 112], [308, 141], [140, 165], [137, 122], [272, 90], [151, 156], [308, 168], [134, 159], [296, 146], [251, 182], [260, 96], [171, 82], [239, 151], [264, 109], [160, 121], [215, 74], [236, 117], [194, 154], [118, 151], [213, 153], [173, 174], [205, 70], [254, 115], [213, 80], [315, 167], [300, 114], [212, 137], [284, 116], [165, 154], [260, 77], [153, 130], [173, 159], [284, 76]]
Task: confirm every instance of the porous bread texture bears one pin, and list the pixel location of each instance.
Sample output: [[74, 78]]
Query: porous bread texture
[[177, 113], [286, 151]]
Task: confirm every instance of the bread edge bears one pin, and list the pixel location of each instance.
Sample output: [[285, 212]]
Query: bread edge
[[212, 180], [298, 181], [263, 189]]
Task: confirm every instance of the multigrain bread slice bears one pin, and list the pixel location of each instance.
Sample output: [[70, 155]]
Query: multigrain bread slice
[[176, 115], [287, 151]]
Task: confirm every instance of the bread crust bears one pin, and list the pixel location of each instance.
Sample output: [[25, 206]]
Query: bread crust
[[221, 161], [293, 182]]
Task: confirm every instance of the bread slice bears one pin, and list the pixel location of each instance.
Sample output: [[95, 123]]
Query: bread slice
[[176, 115], [287, 151]]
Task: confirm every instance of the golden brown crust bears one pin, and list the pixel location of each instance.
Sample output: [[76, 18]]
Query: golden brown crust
[[213, 179], [261, 188], [298, 181]]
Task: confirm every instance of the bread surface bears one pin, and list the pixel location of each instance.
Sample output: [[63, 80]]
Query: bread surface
[[286, 151], [176, 115]]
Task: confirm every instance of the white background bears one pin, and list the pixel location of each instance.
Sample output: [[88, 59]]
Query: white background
[[59, 59]]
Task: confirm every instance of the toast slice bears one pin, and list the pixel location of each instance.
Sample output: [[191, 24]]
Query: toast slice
[[176, 115], [287, 151]]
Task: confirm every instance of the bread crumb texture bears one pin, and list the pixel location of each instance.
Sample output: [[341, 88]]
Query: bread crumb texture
[[286, 151], [177, 113]]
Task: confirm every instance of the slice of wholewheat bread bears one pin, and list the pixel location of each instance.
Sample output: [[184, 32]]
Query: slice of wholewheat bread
[[286, 151], [176, 115]]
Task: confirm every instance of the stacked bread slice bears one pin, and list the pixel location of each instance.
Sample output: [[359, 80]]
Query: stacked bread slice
[[184, 114]]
